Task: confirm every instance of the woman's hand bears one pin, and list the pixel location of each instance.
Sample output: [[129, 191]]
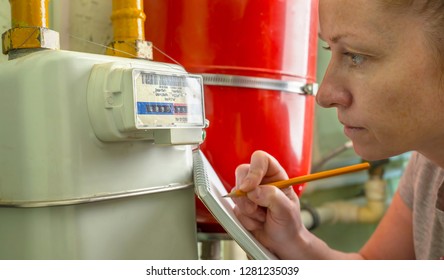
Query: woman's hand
[[271, 214]]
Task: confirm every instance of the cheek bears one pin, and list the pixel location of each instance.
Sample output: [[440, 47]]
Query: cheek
[[402, 105], [380, 100], [405, 110], [402, 87], [389, 106]]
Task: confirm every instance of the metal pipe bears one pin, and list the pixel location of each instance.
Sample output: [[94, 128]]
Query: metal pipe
[[29, 13], [350, 211], [128, 20], [317, 166], [29, 29]]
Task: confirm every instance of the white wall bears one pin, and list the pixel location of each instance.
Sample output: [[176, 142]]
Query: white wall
[[84, 25]]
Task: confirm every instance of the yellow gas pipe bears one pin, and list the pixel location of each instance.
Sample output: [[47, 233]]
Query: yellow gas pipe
[[29, 27], [31, 13], [128, 20]]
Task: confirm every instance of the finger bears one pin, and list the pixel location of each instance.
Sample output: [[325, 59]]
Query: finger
[[250, 209], [261, 160], [240, 173], [291, 194], [281, 207], [245, 205], [248, 222], [263, 168]]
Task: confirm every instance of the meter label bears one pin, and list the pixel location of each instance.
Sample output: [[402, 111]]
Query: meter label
[[168, 100]]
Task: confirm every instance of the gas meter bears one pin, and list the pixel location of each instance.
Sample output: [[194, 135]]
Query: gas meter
[[158, 102]]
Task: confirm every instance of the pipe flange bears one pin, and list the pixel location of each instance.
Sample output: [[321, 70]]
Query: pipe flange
[[131, 49], [30, 38]]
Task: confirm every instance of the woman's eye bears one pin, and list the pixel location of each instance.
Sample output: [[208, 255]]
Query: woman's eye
[[356, 59]]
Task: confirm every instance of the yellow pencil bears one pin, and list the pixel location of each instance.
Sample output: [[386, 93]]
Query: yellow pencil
[[310, 177]]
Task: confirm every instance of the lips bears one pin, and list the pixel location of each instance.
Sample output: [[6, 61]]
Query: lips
[[350, 130], [353, 131], [353, 127]]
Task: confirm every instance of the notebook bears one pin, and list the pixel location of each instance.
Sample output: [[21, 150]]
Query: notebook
[[210, 191]]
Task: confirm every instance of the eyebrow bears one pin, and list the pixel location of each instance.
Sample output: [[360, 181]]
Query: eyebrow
[[333, 39]]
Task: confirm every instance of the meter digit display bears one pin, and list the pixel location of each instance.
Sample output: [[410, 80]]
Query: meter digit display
[[167, 100]]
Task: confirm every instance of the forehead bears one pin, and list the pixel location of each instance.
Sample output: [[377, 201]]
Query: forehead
[[366, 18]]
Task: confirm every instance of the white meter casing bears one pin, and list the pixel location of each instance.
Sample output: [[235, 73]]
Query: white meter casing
[[159, 103]]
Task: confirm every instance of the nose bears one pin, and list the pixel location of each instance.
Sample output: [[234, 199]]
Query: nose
[[333, 90]]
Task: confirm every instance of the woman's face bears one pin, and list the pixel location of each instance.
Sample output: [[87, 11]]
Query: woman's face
[[383, 78]]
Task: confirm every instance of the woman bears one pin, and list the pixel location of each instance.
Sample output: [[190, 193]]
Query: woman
[[386, 81]]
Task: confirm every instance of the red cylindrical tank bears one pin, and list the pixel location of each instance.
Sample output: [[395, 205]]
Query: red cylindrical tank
[[275, 39]]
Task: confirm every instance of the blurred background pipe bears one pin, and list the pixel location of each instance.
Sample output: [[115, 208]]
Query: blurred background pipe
[[335, 152], [351, 211]]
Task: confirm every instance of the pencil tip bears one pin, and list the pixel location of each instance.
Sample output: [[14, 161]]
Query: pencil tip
[[228, 195]]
